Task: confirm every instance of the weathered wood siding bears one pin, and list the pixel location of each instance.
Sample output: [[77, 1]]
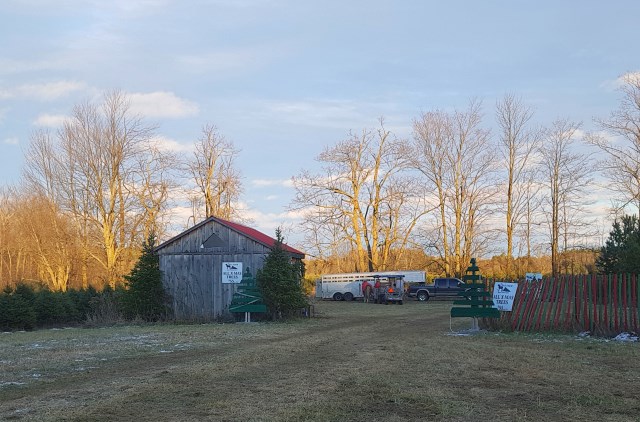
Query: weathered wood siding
[[192, 276]]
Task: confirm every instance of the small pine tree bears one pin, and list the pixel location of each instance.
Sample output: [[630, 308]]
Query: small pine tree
[[279, 281], [622, 248], [145, 296]]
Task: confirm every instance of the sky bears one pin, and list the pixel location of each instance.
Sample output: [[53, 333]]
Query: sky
[[285, 79]]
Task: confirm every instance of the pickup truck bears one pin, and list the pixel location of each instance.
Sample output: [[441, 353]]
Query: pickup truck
[[441, 288]]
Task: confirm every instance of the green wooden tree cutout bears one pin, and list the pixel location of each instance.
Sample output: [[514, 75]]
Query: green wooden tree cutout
[[477, 302], [247, 298]]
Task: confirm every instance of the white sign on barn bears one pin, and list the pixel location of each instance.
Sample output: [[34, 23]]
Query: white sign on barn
[[231, 272], [503, 295]]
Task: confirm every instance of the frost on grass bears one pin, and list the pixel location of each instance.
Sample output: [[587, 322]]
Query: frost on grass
[[626, 337]]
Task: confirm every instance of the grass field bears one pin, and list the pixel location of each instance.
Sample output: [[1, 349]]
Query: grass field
[[352, 362]]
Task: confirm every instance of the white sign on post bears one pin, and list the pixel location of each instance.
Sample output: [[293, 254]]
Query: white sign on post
[[503, 295], [533, 276], [231, 272]]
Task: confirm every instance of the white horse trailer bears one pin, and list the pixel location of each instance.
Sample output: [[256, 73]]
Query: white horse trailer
[[348, 286]]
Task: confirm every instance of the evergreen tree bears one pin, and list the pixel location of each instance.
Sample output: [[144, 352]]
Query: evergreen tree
[[279, 281], [622, 249], [145, 296]]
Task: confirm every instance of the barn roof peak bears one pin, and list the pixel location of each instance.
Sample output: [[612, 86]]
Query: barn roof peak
[[249, 232]]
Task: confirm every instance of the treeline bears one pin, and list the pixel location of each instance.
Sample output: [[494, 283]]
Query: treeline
[[456, 190], [579, 261], [98, 186]]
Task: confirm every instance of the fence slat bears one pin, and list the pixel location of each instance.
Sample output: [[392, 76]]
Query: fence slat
[[615, 308], [624, 293], [519, 299], [594, 299], [569, 302], [551, 303], [605, 301], [586, 323], [558, 306], [543, 303], [634, 301]]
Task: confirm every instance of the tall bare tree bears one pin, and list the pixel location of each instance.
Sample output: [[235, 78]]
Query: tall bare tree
[[92, 171], [567, 174], [213, 171], [621, 144], [454, 154], [362, 196], [517, 145]]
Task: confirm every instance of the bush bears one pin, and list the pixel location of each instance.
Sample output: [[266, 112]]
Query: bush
[[279, 281], [105, 308], [16, 313], [145, 297], [26, 307]]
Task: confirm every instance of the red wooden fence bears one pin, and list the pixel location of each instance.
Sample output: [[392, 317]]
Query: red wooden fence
[[599, 304]]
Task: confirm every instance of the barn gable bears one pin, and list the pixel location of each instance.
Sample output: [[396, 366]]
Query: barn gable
[[191, 265]]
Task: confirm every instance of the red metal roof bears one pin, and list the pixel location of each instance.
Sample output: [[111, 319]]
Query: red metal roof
[[257, 236]]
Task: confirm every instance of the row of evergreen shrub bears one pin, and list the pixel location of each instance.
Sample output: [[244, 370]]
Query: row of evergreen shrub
[[26, 307]]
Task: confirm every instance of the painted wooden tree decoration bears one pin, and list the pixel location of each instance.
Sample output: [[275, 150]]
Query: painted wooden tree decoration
[[247, 298], [477, 302]]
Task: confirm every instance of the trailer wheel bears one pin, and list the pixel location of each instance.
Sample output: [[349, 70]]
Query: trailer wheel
[[337, 296], [400, 302], [348, 297]]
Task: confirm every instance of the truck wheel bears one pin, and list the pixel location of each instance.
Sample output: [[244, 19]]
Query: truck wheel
[[422, 296], [348, 297], [400, 302], [337, 296]]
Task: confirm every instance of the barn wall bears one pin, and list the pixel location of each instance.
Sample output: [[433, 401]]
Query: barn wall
[[192, 276]]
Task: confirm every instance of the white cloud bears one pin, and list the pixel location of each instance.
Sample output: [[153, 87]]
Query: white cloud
[[11, 66], [47, 91], [167, 144], [340, 114], [271, 182], [50, 120], [628, 77], [271, 197], [11, 141], [162, 104]]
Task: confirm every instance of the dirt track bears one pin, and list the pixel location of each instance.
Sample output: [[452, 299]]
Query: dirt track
[[353, 362]]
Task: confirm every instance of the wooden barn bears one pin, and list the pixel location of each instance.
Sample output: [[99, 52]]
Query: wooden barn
[[198, 265]]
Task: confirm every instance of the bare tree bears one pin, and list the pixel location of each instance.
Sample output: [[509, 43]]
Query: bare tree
[[531, 213], [101, 171], [362, 196], [567, 174], [52, 245], [432, 138], [621, 144], [454, 154], [213, 171], [517, 145]]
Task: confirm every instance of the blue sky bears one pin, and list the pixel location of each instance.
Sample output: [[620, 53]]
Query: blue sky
[[284, 79]]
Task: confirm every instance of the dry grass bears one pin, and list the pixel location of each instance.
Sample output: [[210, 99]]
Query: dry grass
[[353, 362]]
